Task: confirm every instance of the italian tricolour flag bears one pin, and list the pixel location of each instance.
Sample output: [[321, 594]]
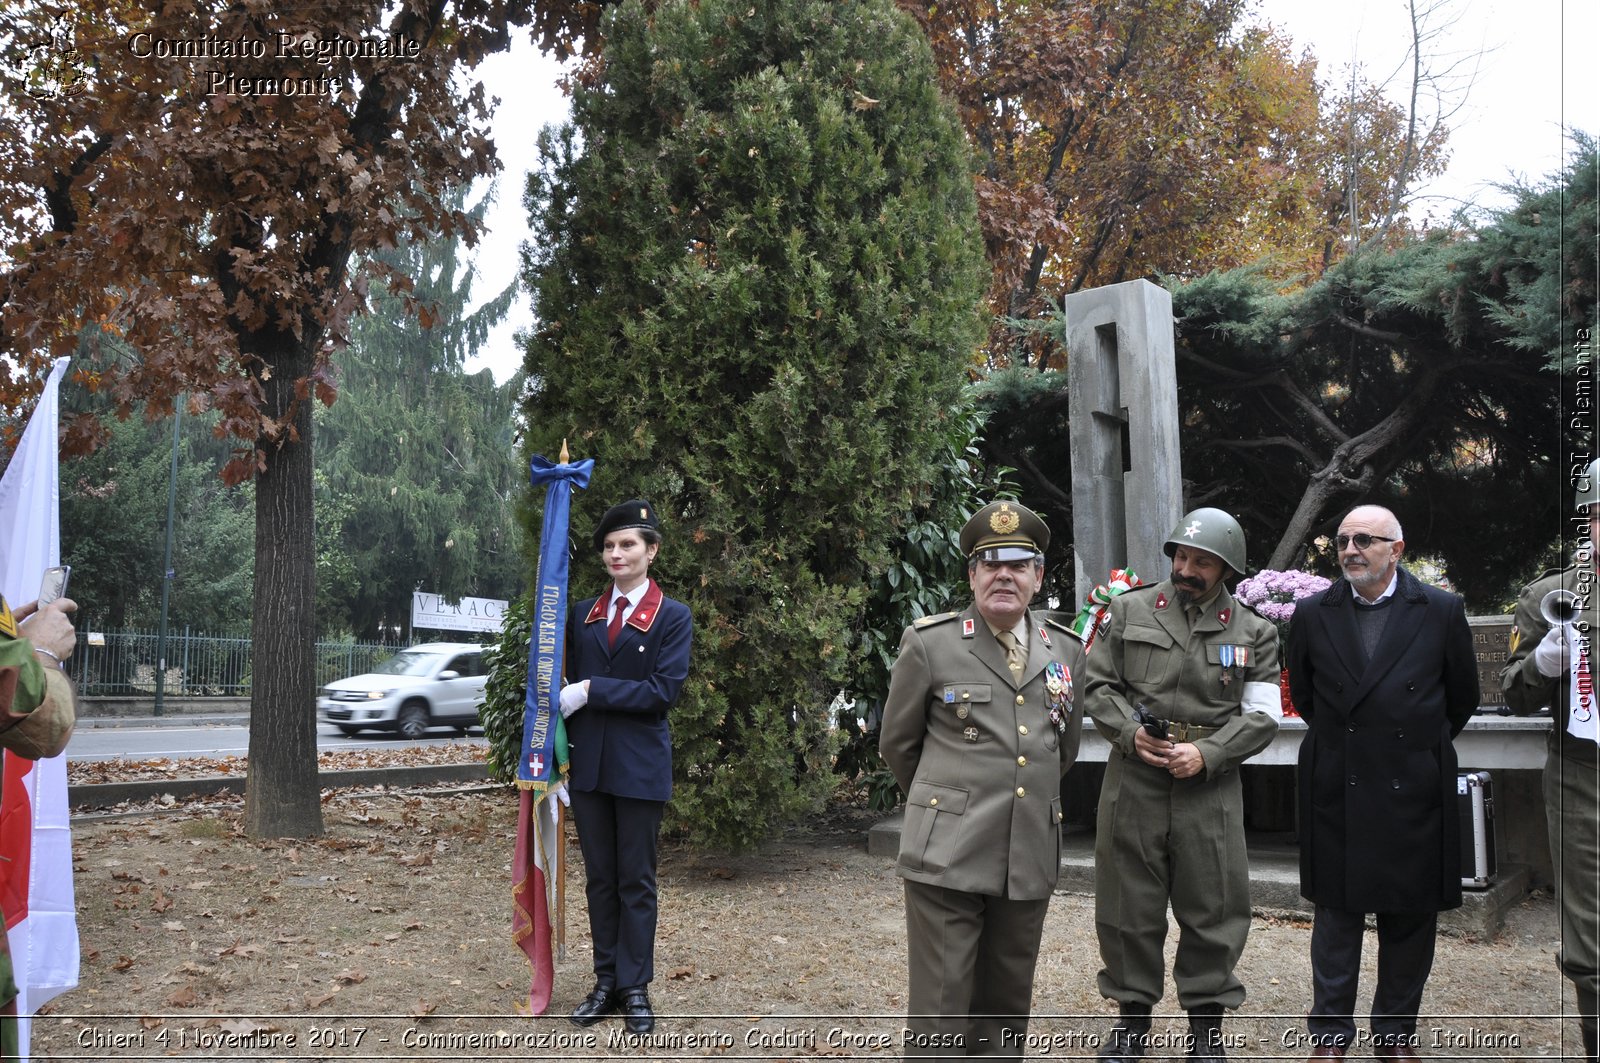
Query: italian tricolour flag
[[35, 837]]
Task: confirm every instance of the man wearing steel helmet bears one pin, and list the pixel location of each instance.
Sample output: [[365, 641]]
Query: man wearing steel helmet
[[980, 724], [1543, 669], [1201, 672], [1381, 667]]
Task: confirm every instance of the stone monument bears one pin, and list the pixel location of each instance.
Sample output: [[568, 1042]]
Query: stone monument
[[1127, 490]]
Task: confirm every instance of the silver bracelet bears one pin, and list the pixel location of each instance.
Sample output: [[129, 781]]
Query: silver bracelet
[[59, 662]]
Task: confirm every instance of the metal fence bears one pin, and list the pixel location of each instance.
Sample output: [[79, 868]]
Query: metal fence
[[197, 665]]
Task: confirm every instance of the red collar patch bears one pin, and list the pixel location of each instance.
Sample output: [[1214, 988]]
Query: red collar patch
[[643, 614], [1044, 636], [1224, 615], [968, 626], [1161, 601]]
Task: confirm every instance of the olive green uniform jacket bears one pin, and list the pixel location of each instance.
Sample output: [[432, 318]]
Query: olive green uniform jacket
[[979, 757]]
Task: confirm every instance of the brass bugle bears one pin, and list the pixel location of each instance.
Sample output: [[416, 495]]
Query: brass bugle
[[1560, 607]]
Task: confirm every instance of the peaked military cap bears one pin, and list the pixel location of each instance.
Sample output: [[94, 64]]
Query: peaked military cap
[[1004, 531], [634, 513]]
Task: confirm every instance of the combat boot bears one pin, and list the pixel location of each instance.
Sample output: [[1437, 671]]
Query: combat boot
[[1205, 1033], [1130, 1036], [1589, 1042]]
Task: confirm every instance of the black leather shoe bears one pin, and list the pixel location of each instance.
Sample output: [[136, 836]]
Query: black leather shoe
[[1130, 1037], [1205, 1034], [596, 1006], [637, 1014]]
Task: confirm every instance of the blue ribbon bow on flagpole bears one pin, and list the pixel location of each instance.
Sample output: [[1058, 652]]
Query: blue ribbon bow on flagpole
[[536, 765]]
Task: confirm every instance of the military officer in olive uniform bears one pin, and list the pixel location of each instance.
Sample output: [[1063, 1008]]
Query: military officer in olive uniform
[[981, 722], [1202, 671], [1540, 671]]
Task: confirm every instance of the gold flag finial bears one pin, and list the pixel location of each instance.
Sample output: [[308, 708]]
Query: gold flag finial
[[565, 457]]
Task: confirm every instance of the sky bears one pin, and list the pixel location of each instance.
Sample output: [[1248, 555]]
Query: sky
[[1530, 69]]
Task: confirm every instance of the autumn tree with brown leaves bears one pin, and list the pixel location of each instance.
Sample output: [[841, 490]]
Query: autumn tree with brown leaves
[[196, 179], [1124, 139]]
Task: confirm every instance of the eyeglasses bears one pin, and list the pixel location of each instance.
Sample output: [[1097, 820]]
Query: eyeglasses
[[1361, 539]]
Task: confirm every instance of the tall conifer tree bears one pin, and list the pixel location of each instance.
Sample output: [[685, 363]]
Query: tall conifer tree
[[758, 284]]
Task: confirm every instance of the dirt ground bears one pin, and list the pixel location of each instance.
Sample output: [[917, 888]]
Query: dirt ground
[[389, 938]]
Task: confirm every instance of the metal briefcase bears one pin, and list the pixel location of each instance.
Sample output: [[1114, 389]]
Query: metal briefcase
[[1475, 806]]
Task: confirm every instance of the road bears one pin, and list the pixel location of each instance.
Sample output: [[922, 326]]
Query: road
[[144, 741]]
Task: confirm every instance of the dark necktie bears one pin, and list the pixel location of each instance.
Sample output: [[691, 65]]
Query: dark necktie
[[615, 627]]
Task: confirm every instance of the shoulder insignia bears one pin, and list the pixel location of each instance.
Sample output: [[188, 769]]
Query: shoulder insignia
[[935, 618], [1065, 629]]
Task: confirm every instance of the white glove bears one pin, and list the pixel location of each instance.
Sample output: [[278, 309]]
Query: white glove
[[560, 793], [1550, 656], [574, 696]]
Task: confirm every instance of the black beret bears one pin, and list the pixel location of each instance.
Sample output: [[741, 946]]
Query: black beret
[[634, 513]]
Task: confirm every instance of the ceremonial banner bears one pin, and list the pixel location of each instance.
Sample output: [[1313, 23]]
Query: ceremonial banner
[[35, 835], [543, 759]]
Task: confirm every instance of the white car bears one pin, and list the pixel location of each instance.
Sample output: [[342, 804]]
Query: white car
[[434, 684]]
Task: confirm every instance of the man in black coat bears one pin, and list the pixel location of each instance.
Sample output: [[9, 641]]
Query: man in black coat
[[1381, 668]]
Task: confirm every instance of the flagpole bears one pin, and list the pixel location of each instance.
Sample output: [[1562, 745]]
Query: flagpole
[[561, 815], [544, 749]]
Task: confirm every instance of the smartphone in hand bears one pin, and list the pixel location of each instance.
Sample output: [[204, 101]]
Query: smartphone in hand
[[54, 584]]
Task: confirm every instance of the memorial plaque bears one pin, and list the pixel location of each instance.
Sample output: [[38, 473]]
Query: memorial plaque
[[1491, 643]]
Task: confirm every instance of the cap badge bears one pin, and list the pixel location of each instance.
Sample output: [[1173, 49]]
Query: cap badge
[[644, 514], [1005, 520], [1192, 530]]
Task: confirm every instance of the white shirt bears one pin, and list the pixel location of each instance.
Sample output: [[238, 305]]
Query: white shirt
[[1394, 581], [627, 602]]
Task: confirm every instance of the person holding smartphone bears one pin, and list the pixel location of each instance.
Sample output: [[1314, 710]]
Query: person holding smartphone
[[1184, 687]]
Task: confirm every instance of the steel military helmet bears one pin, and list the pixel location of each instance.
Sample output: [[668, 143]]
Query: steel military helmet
[[1211, 530], [1589, 485]]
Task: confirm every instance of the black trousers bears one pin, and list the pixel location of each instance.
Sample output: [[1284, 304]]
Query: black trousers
[[618, 839], [1405, 958]]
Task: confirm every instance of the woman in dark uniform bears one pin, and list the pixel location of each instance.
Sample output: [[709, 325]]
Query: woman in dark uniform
[[627, 657]]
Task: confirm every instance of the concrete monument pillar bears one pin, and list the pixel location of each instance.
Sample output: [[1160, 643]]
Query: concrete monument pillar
[[1127, 484]]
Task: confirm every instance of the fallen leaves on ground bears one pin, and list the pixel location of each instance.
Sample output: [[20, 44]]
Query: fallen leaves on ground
[[127, 769]]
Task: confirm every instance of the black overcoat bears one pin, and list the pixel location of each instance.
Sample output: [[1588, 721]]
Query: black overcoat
[[1377, 781]]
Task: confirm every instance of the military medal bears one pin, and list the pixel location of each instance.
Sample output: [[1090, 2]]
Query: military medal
[[1058, 687], [963, 712], [1227, 664], [970, 734]]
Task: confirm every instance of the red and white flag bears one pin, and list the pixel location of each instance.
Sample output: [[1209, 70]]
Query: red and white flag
[[35, 836]]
